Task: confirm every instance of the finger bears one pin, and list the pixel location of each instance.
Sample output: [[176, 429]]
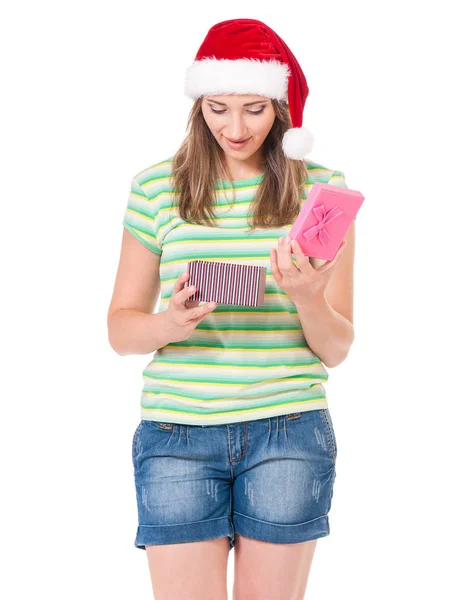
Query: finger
[[200, 311], [274, 265], [285, 263], [182, 296], [302, 261], [180, 281]]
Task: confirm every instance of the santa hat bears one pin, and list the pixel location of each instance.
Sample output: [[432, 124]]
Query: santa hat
[[245, 56]]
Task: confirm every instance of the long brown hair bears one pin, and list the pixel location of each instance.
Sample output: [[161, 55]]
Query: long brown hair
[[197, 165]]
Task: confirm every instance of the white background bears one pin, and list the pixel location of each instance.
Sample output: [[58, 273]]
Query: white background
[[93, 94]]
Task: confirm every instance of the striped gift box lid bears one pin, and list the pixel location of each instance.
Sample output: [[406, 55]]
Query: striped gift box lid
[[227, 283]]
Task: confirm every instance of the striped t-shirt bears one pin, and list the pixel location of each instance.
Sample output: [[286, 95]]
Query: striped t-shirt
[[241, 363]]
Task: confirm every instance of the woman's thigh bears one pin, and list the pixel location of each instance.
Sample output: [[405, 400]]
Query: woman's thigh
[[190, 571], [265, 571]]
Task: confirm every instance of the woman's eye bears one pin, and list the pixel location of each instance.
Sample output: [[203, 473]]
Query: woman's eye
[[252, 112]]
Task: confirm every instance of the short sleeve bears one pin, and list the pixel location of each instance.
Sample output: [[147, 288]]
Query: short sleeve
[[338, 178], [140, 217]]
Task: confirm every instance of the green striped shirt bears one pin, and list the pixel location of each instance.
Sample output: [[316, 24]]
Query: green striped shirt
[[241, 363]]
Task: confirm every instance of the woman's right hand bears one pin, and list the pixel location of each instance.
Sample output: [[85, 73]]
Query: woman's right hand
[[184, 315]]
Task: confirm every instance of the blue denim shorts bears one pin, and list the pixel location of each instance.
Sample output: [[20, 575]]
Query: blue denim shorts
[[269, 479]]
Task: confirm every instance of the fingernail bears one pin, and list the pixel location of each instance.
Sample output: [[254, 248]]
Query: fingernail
[[288, 240]]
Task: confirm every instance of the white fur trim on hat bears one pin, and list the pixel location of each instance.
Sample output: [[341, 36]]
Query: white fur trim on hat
[[240, 76], [297, 142]]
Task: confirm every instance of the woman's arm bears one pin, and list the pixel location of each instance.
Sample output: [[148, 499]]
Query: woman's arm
[[132, 326], [327, 320], [327, 332], [135, 332]]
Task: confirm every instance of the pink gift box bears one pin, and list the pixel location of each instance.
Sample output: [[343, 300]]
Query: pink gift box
[[227, 283], [324, 219]]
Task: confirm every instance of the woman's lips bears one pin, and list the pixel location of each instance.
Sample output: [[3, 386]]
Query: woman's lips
[[236, 145]]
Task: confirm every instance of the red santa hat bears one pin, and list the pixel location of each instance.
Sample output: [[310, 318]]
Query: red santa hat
[[245, 56]]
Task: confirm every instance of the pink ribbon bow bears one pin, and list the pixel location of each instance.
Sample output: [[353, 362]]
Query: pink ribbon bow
[[323, 218]]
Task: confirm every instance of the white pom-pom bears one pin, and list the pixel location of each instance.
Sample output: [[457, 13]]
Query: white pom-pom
[[297, 142]]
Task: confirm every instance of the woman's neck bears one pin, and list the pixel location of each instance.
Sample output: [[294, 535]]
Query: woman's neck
[[243, 169]]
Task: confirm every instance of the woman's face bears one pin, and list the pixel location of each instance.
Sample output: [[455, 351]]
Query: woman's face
[[239, 117]]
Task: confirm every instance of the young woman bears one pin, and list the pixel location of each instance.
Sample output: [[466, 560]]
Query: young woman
[[235, 447]]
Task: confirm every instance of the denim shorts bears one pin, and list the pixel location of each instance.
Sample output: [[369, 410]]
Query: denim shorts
[[269, 479]]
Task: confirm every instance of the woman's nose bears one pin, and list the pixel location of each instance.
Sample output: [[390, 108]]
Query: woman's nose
[[236, 128]]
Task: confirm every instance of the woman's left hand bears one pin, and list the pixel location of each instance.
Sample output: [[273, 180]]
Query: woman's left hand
[[303, 282]]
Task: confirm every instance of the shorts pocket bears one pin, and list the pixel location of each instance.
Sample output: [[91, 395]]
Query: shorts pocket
[[326, 417]]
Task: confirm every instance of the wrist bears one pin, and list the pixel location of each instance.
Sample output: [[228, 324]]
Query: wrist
[[165, 327], [316, 301]]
